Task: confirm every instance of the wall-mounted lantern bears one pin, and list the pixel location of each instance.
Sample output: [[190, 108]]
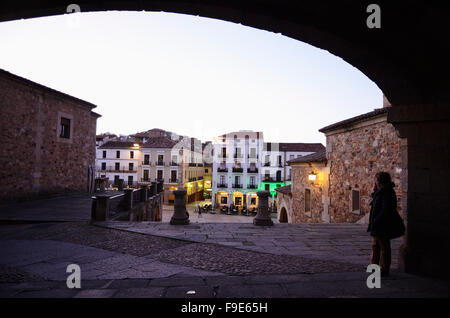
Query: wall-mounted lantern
[[312, 176]]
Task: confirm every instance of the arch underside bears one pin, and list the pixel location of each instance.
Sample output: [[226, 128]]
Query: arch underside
[[405, 58]]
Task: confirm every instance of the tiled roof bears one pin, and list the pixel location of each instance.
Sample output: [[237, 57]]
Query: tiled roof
[[319, 156], [160, 142], [285, 190], [353, 120], [303, 147], [149, 132], [117, 144]]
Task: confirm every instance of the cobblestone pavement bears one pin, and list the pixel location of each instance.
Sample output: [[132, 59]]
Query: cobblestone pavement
[[346, 243], [117, 263]]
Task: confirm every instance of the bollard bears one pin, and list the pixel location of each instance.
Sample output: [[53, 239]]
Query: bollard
[[120, 185], [128, 199], [180, 215], [100, 213], [263, 215], [144, 194]]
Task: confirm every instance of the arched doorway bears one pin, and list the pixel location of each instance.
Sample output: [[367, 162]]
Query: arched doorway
[[283, 216]]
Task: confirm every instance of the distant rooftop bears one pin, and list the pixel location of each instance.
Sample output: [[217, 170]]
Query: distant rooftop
[[319, 156]]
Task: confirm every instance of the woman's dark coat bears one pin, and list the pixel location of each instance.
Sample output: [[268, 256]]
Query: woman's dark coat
[[384, 220]]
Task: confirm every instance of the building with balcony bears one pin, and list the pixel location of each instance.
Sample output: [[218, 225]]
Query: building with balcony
[[116, 160], [236, 167]]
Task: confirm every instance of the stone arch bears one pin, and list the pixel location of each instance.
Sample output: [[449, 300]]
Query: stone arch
[[414, 80]]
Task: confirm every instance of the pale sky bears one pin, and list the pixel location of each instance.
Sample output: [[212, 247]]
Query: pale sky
[[194, 76]]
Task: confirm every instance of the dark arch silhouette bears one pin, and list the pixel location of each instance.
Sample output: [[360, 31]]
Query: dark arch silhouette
[[407, 58]]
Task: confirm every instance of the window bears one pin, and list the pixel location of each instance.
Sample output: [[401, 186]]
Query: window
[[130, 180], [118, 154], [224, 152], [159, 175], [253, 201], [173, 176], [222, 179], [145, 175], [267, 160], [291, 157], [65, 128], [116, 180], [146, 159], [160, 159], [252, 181], [267, 187], [278, 175], [307, 200], [252, 152], [355, 201], [206, 170], [131, 154], [131, 166], [117, 166], [223, 200], [104, 153], [103, 165], [237, 180]]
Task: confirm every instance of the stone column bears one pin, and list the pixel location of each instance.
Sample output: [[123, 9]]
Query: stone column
[[101, 208], [180, 216], [144, 193], [263, 216], [128, 199], [426, 186]]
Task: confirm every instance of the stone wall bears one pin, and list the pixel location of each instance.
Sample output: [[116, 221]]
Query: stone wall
[[300, 184], [355, 155], [34, 159]]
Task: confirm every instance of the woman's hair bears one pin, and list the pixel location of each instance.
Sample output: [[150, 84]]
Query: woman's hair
[[384, 179]]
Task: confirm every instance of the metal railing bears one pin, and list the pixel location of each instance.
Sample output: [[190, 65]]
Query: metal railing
[[238, 169], [254, 170], [222, 185], [219, 169]]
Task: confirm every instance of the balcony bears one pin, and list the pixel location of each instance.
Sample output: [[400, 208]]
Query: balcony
[[238, 170], [146, 163], [145, 180], [236, 156], [173, 180], [222, 169], [271, 179], [222, 185], [253, 157], [237, 186], [200, 165], [192, 179], [252, 170], [174, 163], [160, 163], [200, 178], [267, 164], [192, 164], [252, 186], [120, 170]]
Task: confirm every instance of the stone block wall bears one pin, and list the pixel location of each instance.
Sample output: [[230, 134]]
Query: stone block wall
[[355, 156], [317, 189], [34, 160]]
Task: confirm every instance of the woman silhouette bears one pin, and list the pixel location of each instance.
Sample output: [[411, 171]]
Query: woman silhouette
[[384, 221]]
